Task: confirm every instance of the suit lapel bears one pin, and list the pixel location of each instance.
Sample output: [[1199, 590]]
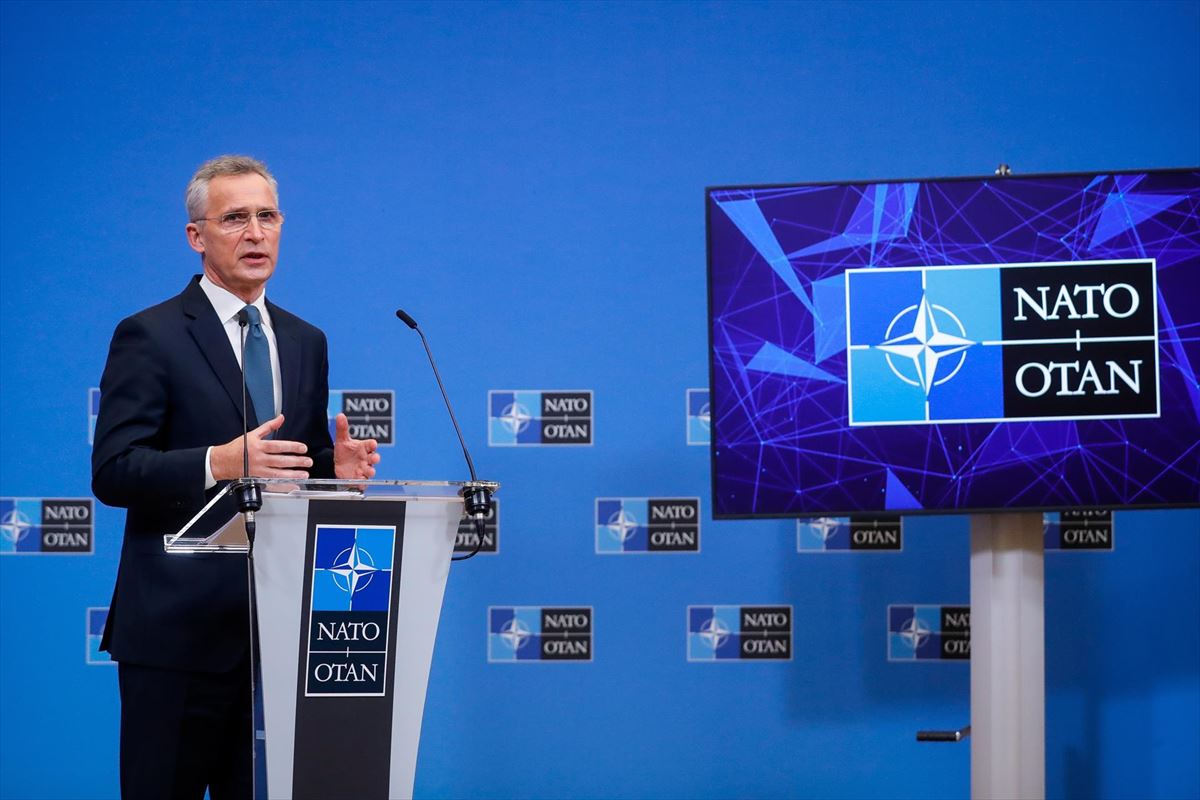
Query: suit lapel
[[210, 337], [288, 345]]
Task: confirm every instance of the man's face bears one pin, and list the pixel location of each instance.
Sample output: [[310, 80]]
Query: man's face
[[242, 261]]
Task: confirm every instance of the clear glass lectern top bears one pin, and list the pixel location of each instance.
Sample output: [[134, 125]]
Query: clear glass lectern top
[[219, 527]]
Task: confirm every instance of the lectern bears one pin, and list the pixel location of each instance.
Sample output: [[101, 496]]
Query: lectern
[[346, 584]]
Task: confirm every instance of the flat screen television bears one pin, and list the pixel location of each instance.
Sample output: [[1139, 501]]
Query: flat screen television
[[955, 345]]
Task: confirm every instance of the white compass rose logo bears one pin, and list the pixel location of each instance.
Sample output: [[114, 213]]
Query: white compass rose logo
[[515, 417], [14, 526], [825, 527], [515, 633], [704, 416], [714, 633], [925, 345], [622, 525], [353, 569], [914, 632]]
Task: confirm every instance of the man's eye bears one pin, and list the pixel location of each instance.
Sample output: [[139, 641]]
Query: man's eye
[[235, 218], [268, 217]]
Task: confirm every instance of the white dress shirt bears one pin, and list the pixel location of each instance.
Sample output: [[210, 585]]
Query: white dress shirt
[[227, 305]]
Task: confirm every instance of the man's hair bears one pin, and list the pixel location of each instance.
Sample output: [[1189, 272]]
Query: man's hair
[[196, 196]]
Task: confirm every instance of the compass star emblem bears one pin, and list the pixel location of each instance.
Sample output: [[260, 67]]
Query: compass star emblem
[[515, 633], [824, 527], [622, 525], [353, 570], [926, 344], [714, 633], [705, 416], [515, 417], [914, 632], [14, 526]]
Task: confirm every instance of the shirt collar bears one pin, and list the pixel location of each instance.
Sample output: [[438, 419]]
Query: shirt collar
[[227, 304]]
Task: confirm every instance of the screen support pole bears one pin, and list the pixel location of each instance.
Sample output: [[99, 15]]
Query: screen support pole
[[1008, 675]]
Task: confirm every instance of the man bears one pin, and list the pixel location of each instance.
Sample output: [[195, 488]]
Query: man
[[168, 434]]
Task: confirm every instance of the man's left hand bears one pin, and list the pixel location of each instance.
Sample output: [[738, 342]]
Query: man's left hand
[[353, 459]]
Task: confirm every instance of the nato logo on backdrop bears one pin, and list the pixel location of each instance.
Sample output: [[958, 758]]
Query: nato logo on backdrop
[[739, 633], [523, 634], [929, 633], [1080, 529], [995, 342], [96, 617], [350, 610], [699, 417], [850, 534], [93, 413], [371, 413], [647, 525], [467, 537], [44, 526], [539, 418]]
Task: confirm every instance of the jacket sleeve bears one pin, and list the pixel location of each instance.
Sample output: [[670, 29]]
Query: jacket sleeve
[[320, 445], [130, 463]]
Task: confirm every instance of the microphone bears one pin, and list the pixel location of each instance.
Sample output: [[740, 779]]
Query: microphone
[[248, 493], [477, 494]]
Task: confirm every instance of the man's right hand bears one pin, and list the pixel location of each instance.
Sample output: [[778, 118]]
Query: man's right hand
[[269, 458]]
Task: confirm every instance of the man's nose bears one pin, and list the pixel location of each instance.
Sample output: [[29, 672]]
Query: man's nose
[[254, 228]]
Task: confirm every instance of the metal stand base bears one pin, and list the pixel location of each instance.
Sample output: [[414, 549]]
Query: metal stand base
[[1008, 674]]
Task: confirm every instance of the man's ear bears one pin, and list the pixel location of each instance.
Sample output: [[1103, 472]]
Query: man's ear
[[193, 237]]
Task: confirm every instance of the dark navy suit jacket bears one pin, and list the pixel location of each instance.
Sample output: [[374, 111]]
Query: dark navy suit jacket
[[172, 388]]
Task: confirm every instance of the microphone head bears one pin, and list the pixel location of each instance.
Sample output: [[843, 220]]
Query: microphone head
[[243, 318], [406, 319]]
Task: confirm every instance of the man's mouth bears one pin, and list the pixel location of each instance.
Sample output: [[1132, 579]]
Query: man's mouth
[[254, 257]]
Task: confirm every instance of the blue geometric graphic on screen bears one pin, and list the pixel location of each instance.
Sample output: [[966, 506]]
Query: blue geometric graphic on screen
[[514, 633], [899, 498], [823, 533], [774, 460], [776, 361], [883, 213], [1124, 211], [713, 633], [829, 316], [20, 525], [754, 226], [352, 568]]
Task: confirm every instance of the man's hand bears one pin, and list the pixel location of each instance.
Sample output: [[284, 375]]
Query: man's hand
[[353, 459], [269, 458]]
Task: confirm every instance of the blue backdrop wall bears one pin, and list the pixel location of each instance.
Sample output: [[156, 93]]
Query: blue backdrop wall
[[526, 180]]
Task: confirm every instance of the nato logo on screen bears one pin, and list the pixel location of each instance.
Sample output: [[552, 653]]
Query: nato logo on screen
[[524, 634], [1078, 529], [699, 417], [93, 413], [350, 610], [43, 526], [647, 525], [467, 537], [371, 413], [988, 343], [739, 633], [883, 533], [537, 418], [96, 617], [929, 633]]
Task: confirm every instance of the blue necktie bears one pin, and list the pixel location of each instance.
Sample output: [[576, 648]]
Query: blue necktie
[[259, 383]]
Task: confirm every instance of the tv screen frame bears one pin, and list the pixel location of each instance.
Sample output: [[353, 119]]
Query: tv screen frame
[[797, 264]]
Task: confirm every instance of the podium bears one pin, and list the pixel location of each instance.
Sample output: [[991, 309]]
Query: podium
[[346, 585]]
